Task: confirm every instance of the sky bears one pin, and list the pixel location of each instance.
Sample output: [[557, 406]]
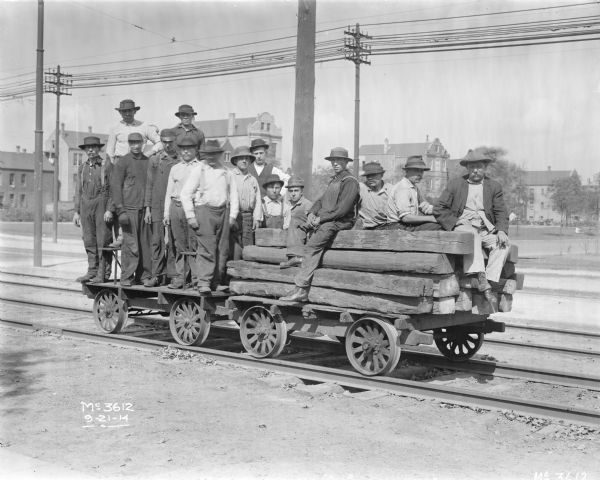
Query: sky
[[540, 103]]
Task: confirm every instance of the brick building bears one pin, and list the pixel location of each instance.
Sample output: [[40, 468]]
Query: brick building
[[16, 180], [539, 206]]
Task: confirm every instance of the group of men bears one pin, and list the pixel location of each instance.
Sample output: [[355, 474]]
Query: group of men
[[183, 213]]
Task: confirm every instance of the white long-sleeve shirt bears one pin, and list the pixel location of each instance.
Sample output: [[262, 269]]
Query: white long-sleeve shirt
[[212, 186], [177, 176], [117, 144]]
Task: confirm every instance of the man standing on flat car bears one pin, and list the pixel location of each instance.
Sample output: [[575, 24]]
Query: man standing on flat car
[[129, 189], [159, 168], [475, 203], [262, 170], [186, 127], [92, 209], [333, 212]]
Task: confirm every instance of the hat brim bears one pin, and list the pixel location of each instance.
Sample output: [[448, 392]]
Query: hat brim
[[364, 174], [348, 159], [235, 159], [83, 147], [118, 109], [294, 185], [465, 162], [280, 182], [266, 147], [178, 114], [416, 167], [212, 151]]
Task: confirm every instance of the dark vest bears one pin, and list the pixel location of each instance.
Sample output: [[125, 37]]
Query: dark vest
[[266, 173]]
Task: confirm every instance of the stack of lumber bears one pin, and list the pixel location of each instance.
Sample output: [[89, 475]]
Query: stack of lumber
[[390, 272]]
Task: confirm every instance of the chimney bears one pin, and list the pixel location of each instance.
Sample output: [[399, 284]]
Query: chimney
[[427, 138], [549, 168], [231, 125], [24, 150], [386, 146], [90, 129], [18, 148], [62, 128]]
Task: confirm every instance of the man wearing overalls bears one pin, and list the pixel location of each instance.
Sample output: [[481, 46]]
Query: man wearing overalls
[[92, 210], [274, 207]]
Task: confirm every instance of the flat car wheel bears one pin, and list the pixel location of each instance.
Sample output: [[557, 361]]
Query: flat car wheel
[[110, 312], [372, 346], [263, 334], [457, 344], [189, 323]]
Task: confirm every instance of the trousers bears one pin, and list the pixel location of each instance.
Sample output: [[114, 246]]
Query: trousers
[[96, 234], [314, 248], [212, 244], [182, 240], [241, 235], [163, 262], [475, 263], [136, 254]]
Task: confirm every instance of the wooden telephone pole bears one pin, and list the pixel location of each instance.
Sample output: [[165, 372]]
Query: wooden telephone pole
[[304, 106], [39, 133]]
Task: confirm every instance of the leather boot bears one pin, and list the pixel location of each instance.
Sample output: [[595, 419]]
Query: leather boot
[[100, 276], [151, 282], [291, 262], [300, 294], [86, 277]]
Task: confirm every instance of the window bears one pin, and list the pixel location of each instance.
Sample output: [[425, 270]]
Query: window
[[74, 179], [11, 200], [74, 159], [23, 179], [268, 127], [22, 200], [262, 125], [1, 200], [11, 180]]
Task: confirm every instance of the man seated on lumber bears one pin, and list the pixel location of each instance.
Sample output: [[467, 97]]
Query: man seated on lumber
[[295, 216], [406, 208], [374, 197], [334, 211], [475, 203]]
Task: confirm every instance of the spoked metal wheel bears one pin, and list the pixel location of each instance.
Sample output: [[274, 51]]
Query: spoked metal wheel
[[372, 346], [457, 344], [262, 333], [189, 323], [110, 312]]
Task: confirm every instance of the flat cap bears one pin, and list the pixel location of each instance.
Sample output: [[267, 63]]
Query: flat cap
[[135, 137]]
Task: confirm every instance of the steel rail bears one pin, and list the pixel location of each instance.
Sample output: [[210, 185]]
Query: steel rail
[[349, 379]]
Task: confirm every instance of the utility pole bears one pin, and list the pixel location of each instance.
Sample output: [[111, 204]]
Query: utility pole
[[357, 52], [304, 105], [39, 132], [53, 84]]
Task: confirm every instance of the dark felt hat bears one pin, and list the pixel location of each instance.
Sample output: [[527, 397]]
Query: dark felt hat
[[416, 162], [295, 181], [258, 143], [135, 137], [211, 146], [187, 141], [372, 168], [242, 152], [168, 134], [185, 109], [477, 155], [127, 105], [339, 153], [273, 178], [91, 142]]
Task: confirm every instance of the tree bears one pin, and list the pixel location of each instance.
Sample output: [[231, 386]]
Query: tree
[[319, 181], [566, 196]]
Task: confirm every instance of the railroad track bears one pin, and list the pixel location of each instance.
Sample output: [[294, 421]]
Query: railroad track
[[10, 278], [302, 365]]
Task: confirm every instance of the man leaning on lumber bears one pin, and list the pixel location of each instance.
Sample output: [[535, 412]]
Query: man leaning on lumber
[[475, 203], [334, 211]]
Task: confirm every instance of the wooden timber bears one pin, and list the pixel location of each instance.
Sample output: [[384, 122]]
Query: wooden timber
[[366, 261], [340, 298], [464, 301], [508, 270], [520, 279], [505, 285], [383, 283], [457, 243], [505, 302], [444, 306]]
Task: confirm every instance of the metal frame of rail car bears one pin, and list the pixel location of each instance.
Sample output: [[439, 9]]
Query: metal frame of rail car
[[373, 340], [190, 313]]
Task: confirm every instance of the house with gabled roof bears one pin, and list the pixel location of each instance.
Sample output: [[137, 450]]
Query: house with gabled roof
[[392, 156], [233, 132], [16, 180]]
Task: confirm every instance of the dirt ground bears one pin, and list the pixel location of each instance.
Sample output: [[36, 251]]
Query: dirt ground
[[167, 415]]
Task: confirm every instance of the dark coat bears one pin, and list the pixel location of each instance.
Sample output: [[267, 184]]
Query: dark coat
[[449, 207]]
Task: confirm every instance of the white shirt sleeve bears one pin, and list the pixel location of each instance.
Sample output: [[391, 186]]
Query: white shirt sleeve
[[189, 189]]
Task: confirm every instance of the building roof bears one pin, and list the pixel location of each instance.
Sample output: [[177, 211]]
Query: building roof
[[541, 178], [74, 139], [21, 161], [403, 150], [219, 128]]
